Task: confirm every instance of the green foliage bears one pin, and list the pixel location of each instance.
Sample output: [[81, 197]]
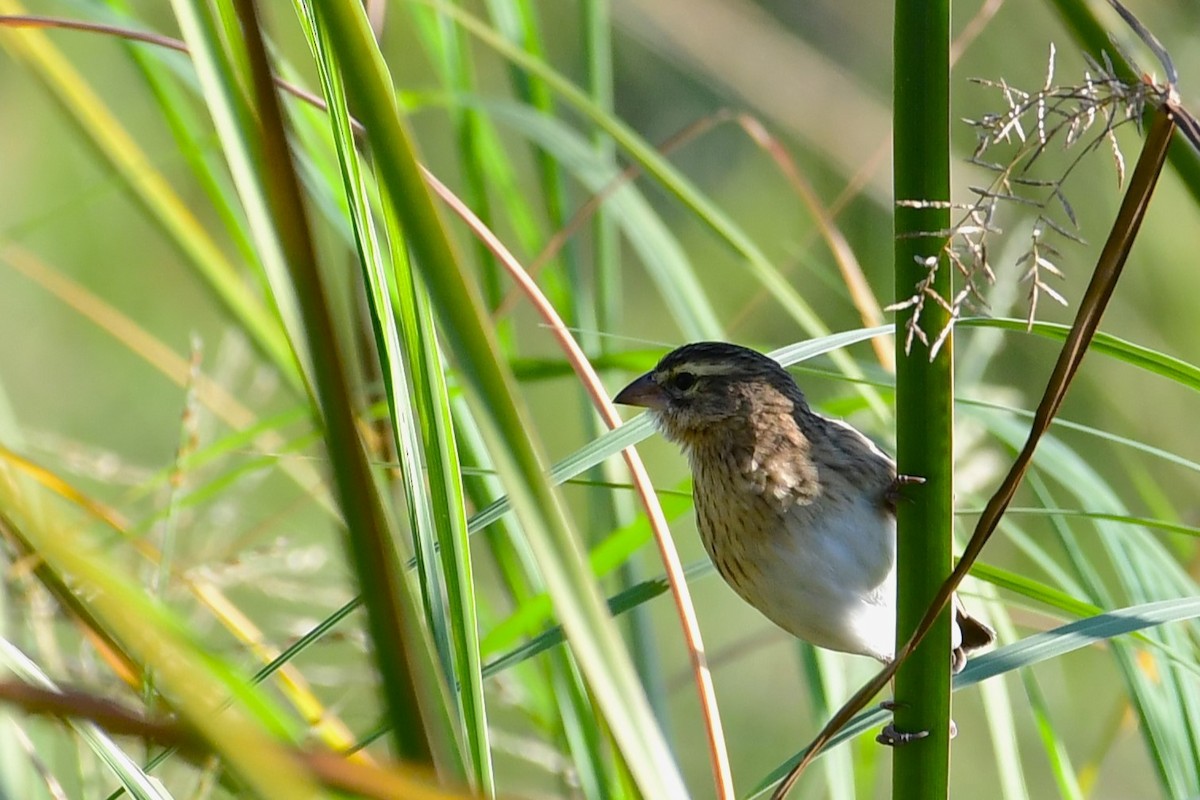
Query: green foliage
[[379, 514]]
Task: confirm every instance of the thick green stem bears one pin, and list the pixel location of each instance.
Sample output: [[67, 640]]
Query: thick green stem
[[924, 396]]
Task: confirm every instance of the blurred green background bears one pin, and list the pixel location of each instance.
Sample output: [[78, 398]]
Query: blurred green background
[[817, 75]]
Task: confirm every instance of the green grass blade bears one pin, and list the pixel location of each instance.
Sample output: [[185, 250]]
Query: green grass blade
[[450, 519], [488, 387], [1144, 358], [556, 685], [1144, 571], [382, 293], [116, 146], [674, 182], [1056, 752], [999, 708], [256, 146], [235, 122]]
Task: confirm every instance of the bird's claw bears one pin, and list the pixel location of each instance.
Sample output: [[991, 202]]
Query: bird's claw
[[895, 492], [892, 737]]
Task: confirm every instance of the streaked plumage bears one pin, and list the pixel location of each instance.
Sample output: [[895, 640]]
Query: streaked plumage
[[796, 510]]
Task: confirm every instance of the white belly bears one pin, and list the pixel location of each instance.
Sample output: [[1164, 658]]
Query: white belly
[[831, 580]]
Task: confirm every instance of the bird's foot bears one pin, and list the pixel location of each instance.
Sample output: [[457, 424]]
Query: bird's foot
[[890, 735], [895, 492], [893, 737]]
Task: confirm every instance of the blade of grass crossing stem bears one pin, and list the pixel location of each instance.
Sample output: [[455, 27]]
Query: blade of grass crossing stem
[[1020, 655], [1145, 694], [924, 393], [1040, 594], [489, 389], [275, 204], [533, 610]]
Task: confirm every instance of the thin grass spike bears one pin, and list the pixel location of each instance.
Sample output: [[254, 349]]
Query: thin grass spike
[[1066, 113]]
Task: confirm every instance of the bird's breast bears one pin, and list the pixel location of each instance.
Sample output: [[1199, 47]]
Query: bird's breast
[[817, 560]]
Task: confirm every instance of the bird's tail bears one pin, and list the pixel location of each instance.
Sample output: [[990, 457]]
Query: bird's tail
[[974, 635]]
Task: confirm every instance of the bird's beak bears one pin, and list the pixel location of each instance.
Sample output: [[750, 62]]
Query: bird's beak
[[643, 392]]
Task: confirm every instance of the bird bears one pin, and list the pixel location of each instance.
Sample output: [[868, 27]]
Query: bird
[[796, 510]]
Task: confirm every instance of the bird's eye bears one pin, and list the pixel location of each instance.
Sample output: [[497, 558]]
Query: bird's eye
[[682, 381]]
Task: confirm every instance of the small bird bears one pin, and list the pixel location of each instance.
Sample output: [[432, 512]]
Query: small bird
[[796, 510]]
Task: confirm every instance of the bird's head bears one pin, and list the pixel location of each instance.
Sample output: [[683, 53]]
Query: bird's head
[[707, 388]]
